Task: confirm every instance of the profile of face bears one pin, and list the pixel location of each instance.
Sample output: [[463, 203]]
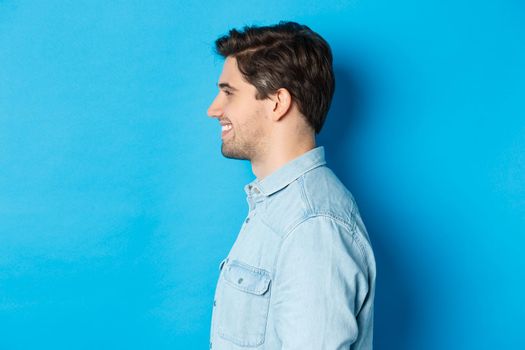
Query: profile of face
[[242, 117]]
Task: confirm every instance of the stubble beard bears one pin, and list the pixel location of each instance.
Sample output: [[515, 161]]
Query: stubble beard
[[237, 147], [247, 142], [234, 150]]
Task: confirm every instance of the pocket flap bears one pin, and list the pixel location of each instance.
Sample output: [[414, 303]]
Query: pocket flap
[[247, 278]]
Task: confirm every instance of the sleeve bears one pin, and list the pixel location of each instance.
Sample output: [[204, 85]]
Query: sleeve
[[320, 286]]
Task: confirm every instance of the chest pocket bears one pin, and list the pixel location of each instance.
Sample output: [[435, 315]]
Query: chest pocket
[[244, 302]]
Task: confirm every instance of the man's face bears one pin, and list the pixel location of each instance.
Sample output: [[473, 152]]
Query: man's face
[[243, 120]]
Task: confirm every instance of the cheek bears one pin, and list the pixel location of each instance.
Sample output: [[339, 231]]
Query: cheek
[[249, 115]]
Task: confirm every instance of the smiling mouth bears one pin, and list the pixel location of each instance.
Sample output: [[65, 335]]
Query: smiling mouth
[[226, 129]]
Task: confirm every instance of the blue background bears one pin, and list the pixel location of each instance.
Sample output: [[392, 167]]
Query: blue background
[[116, 205]]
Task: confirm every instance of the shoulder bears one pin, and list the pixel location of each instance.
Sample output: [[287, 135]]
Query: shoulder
[[317, 193], [331, 237], [327, 195], [330, 215]]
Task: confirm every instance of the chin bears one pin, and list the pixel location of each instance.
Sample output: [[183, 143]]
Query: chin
[[231, 153]]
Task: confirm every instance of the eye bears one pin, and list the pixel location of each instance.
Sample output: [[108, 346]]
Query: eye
[[228, 93]]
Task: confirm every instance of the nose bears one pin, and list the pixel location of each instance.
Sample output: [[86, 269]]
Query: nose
[[215, 109]]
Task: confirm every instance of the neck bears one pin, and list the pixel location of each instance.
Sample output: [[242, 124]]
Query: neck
[[278, 155]]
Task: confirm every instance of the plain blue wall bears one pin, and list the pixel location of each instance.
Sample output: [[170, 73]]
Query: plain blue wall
[[116, 205]]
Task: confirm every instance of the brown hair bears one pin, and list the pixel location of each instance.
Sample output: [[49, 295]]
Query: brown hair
[[286, 55]]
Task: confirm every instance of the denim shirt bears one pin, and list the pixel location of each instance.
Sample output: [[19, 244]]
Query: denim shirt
[[301, 273]]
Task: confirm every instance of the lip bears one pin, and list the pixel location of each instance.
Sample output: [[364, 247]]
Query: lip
[[225, 133]]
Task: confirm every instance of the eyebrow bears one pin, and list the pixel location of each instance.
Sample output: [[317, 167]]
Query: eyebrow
[[226, 86]]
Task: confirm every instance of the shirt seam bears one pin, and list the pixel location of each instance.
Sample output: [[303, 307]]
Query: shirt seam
[[347, 225], [354, 235], [303, 193], [263, 220]]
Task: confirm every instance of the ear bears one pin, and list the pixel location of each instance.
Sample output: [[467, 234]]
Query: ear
[[281, 102]]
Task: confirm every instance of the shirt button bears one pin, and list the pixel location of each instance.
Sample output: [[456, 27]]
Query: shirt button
[[247, 220], [214, 303]]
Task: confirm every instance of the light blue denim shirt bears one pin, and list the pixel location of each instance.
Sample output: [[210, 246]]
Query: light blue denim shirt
[[301, 273]]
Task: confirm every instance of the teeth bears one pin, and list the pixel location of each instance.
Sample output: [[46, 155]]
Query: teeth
[[226, 127]]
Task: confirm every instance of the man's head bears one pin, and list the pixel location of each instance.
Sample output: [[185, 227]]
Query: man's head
[[274, 78]]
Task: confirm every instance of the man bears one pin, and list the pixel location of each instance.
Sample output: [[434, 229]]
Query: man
[[301, 274]]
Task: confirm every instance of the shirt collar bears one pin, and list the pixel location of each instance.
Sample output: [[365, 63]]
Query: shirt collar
[[287, 173]]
